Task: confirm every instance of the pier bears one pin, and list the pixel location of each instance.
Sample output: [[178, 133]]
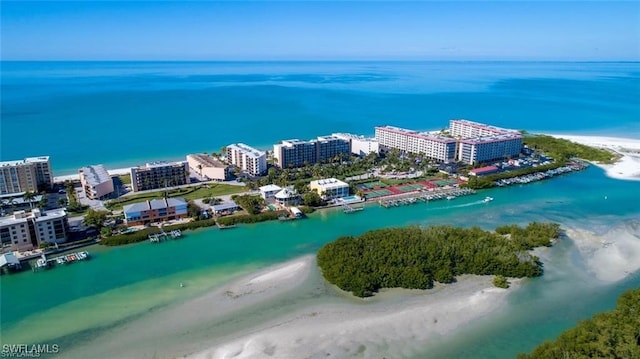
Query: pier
[[163, 236], [45, 263], [425, 196], [346, 208]]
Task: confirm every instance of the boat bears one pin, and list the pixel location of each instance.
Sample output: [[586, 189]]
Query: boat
[[487, 199], [451, 197]]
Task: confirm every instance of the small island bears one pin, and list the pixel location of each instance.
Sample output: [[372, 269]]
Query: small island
[[414, 257]]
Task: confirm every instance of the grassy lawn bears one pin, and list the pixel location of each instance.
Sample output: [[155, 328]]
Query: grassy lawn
[[125, 179], [188, 193]]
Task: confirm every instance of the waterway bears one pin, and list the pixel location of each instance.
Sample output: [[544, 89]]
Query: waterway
[[118, 285]]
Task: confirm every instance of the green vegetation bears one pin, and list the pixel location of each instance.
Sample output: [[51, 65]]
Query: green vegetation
[[188, 193], [142, 235], [251, 218], [73, 204], [489, 181], [414, 257], [251, 204], [500, 281], [561, 149], [125, 179], [95, 218], [614, 334]]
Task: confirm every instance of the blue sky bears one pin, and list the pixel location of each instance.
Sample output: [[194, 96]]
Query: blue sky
[[345, 30]]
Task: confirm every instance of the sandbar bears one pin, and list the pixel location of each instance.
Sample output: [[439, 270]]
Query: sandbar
[[627, 167]]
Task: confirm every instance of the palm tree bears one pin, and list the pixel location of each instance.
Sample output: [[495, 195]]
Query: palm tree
[[29, 197], [199, 166]]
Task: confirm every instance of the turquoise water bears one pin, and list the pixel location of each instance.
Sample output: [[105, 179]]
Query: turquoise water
[[120, 284], [126, 113]]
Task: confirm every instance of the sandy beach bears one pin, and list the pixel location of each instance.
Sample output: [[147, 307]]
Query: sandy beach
[[252, 317], [627, 167], [76, 177]]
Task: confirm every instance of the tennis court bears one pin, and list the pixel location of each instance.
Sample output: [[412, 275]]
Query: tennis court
[[370, 185], [378, 193], [446, 182], [410, 187]]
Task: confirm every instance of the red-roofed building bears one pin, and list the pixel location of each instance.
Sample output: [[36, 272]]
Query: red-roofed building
[[483, 171]]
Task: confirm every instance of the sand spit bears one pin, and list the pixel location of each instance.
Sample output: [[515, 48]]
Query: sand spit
[[398, 322], [627, 167], [611, 256], [288, 311]]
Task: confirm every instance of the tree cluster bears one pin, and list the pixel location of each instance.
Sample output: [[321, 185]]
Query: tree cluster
[[252, 204], [562, 149], [614, 334], [415, 257]]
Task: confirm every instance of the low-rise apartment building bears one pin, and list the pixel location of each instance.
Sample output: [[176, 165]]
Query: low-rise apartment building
[[330, 188], [27, 230], [209, 167], [32, 174], [96, 181], [360, 145], [159, 175], [248, 159], [156, 210]]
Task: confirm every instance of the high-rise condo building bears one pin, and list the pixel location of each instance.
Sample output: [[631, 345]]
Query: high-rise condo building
[[297, 153], [31, 174], [247, 158], [432, 146], [159, 175]]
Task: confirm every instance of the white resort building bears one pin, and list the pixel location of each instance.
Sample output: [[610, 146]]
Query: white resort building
[[250, 160], [480, 143], [436, 147], [209, 167], [360, 145], [330, 188], [96, 181], [470, 142]]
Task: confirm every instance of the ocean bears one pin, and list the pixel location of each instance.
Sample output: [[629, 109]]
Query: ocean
[[150, 111], [124, 114]]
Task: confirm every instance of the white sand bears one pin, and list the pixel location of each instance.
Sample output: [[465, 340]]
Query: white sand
[[287, 311], [367, 331], [283, 273], [628, 167], [611, 256], [76, 177]]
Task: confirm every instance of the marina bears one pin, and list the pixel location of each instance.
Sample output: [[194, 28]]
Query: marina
[[422, 196]]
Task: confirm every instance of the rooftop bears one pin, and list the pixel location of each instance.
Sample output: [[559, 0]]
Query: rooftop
[[207, 160], [246, 149], [270, 188], [416, 134], [154, 204], [95, 175]]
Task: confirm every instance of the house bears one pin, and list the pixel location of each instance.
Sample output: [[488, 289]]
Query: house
[[268, 192], [483, 171], [287, 196], [224, 208]]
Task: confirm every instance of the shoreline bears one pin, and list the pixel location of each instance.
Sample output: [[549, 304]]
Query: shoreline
[[625, 168], [289, 310]]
